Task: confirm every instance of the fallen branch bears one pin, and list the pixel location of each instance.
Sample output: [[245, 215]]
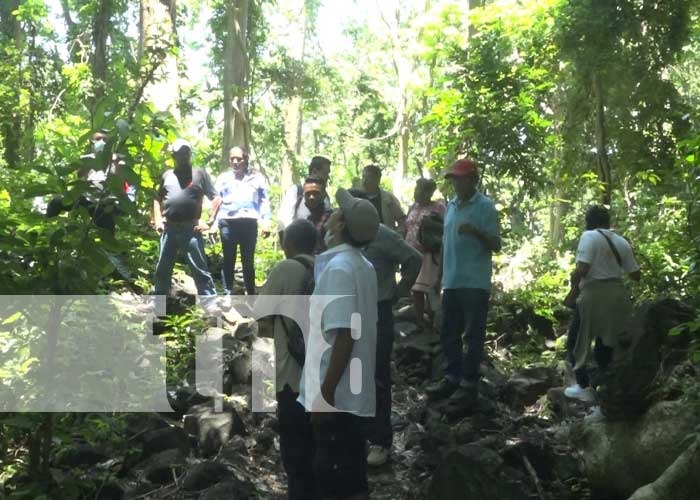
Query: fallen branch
[[533, 474]]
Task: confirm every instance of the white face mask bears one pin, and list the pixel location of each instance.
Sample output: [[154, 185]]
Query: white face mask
[[329, 239], [98, 146]]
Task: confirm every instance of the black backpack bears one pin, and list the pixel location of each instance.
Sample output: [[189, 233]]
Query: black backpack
[[295, 337]]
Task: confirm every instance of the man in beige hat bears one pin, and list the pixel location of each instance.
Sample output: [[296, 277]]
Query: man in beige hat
[[345, 368]]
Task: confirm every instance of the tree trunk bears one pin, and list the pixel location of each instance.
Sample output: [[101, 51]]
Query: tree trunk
[[157, 38], [556, 226], [471, 5], [235, 79], [293, 116], [604, 171], [76, 40], [100, 31], [11, 33], [680, 481]]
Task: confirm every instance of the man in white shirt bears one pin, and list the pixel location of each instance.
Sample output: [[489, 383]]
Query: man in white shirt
[[603, 258], [340, 364]]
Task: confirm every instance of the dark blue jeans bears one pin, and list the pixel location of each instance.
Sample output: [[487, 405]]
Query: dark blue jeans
[[463, 308], [235, 233], [182, 237], [381, 432]]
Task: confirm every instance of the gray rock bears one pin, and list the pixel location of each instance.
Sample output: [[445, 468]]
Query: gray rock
[[159, 469], [525, 387], [185, 398], [404, 328], [203, 475], [560, 405], [464, 432], [405, 313], [110, 491], [80, 455], [140, 490], [227, 490], [167, 438], [471, 471], [213, 429]]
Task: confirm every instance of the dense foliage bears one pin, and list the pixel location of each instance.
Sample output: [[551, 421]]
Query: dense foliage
[[563, 102]]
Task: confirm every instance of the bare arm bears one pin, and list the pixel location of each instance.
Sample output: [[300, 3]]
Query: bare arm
[[157, 215], [215, 205], [411, 262], [581, 270], [340, 357]]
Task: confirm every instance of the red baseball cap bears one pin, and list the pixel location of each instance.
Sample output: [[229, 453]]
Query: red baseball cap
[[462, 167]]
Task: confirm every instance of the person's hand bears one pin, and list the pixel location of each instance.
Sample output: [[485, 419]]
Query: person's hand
[[265, 230], [201, 227]]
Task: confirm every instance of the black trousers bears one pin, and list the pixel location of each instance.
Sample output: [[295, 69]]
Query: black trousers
[[235, 233], [381, 433], [297, 447]]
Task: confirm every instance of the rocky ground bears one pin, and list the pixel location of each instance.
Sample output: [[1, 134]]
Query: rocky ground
[[515, 445]]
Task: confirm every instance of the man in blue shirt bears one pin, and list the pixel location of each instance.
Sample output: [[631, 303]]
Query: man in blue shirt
[[471, 235]]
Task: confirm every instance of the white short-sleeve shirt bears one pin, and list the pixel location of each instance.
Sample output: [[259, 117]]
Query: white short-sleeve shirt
[[343, 271], [593, 249]]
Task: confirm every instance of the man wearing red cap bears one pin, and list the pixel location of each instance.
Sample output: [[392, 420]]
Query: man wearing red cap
[[471, 235]]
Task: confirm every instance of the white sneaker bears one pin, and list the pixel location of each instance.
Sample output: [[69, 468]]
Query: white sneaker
[[595, 416], [378, 455], [575, 391]]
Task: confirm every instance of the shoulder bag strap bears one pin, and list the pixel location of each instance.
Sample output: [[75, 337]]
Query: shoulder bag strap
[[612, 247]]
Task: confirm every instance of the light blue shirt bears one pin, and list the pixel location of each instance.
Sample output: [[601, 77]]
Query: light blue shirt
[[466, 261], [242, 199]]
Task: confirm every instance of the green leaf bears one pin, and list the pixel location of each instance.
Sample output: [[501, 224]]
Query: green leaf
[[12, 319]]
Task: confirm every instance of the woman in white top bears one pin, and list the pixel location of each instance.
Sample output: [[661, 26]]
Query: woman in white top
[[604, 304]]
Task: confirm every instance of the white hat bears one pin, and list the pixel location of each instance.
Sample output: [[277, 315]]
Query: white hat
[[178, 144]]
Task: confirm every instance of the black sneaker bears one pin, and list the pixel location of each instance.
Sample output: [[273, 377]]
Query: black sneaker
[[442, 389]]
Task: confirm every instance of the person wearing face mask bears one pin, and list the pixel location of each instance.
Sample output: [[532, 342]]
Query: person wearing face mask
[[177, 212], [241, 202], [107, 186], [341, 351]]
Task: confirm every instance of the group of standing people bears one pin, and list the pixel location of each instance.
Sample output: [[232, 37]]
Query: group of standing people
[[368, 239], [354, 248], [355, 251], [239, 204]]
